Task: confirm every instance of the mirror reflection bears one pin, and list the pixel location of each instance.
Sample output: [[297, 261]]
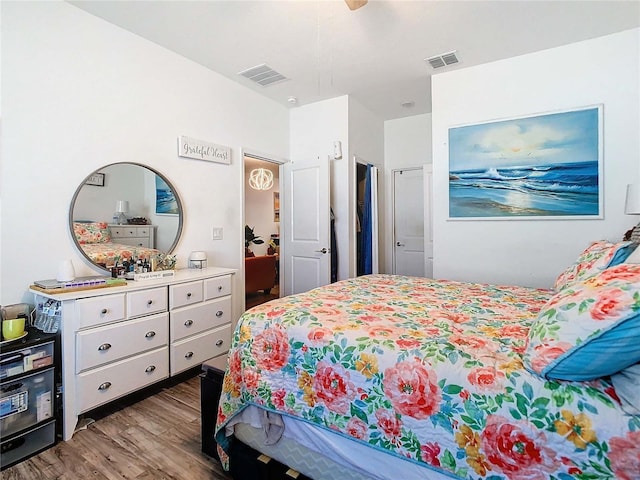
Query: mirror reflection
[[125, 210]]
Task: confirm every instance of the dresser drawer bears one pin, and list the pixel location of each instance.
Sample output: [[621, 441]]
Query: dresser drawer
[[195, 350], [135, 242], [217, 287], [188, 321], [118, 232], [185, 294], [107, 383], [98, 310], [109, 343], [142, 232], [144, 302], [129, 231]]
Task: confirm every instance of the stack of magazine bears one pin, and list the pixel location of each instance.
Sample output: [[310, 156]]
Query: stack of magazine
[[75, 283]]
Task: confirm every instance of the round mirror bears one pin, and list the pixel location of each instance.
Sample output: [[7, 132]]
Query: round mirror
[[124, 210]]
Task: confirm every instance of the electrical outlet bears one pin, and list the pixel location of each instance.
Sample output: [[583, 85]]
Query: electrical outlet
[[216, 233]]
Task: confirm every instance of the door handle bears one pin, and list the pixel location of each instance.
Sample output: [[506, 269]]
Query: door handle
[[398, 244], [324, 250]]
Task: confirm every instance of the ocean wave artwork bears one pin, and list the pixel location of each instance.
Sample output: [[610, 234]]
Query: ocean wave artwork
[[166, 202], [541, 166]]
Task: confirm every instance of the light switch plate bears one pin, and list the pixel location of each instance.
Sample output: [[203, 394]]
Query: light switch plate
[[216, 233]]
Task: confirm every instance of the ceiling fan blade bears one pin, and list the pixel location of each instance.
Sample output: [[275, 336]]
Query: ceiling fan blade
[[355, 4]]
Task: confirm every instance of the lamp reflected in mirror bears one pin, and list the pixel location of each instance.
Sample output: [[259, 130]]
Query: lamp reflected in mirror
[[632, 207], [122, 208]]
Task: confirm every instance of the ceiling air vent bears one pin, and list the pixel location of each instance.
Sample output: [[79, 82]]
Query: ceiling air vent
[[443, 60], [263, 75]]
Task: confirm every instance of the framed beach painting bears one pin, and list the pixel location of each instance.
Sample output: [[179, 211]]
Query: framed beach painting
[[546, 166], [166, 203]]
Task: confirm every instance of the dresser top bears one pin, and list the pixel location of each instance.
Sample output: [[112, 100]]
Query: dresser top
[[181, 276], [126, 225]]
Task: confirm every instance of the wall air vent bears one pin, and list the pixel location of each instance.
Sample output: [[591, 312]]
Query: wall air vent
[[442, 60], [263, 75]]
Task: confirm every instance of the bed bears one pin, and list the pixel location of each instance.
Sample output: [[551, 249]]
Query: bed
[[95, 240], [400, 377]]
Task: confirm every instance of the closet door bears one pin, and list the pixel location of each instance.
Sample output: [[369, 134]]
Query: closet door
[[305, 226], [408, 222]]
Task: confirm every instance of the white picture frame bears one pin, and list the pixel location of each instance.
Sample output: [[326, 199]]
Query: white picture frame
[[200, 150]]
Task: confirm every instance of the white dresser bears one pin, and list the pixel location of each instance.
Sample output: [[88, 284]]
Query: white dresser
[[134, 235], [117, 340]]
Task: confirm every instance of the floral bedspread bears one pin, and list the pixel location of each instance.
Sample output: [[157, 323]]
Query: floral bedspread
[[430, 371], [107, 252]]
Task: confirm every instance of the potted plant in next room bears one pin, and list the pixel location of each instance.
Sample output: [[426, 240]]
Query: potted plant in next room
[[249, 238]]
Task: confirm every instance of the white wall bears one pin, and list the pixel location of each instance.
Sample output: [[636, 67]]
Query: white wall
[[314, 128], [600, 71], [407, 144], [366, 142], [80, 93]]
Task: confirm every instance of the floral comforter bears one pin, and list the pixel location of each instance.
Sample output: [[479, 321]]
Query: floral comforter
[[430, 371], [106, 253]]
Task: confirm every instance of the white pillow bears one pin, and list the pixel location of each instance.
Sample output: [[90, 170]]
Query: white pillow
[[627, 385]]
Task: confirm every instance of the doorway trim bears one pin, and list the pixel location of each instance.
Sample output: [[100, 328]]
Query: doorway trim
[[254, 154], [353, 264]]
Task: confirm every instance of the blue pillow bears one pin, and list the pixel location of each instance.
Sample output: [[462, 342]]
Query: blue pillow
[[590, 329]]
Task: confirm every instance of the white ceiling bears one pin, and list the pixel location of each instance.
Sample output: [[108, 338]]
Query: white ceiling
[[375, 54]]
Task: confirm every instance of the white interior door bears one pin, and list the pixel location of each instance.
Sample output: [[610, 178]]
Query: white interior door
[[305, 225], [408, 222]]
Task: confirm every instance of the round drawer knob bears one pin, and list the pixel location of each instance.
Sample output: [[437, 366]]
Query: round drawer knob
[[220, 288], [219, 313], [188, 355], [104, 386], [219, 343], [150, 368], [149, 302], [104, 347], [188, 323], [150, 334], [103, 311], [189, 295]]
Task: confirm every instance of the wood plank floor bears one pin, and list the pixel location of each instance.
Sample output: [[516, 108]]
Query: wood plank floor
[[257, 298], [151, 438]]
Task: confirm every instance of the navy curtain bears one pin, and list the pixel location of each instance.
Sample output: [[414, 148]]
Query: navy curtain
[[365, 251]]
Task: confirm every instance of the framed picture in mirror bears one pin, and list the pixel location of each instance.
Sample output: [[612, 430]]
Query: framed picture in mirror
[[97, 180]]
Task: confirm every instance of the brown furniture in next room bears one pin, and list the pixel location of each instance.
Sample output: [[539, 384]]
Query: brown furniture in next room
[[259, 273]]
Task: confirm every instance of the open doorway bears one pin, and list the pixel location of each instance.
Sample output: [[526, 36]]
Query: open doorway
[[262, 230], [366, 217]]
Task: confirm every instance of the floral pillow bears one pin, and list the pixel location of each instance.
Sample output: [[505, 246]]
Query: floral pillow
[[595, 258], [590, 329], [91, 232]]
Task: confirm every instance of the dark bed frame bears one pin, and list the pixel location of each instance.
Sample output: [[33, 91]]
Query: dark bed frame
[[245, 462]]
